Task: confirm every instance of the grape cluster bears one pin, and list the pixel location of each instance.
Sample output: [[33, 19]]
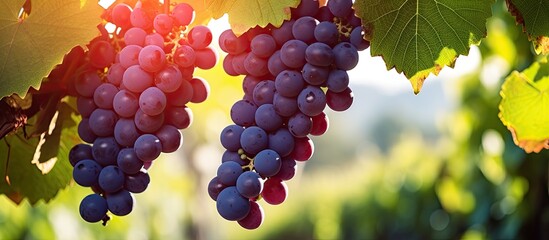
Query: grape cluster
[[291, 73], [133, 97]]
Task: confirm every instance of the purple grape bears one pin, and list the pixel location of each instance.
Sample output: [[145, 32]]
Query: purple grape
[[284, 106], [231, 205], [120, 203], [338, 81], [102, 122], [253, 140], [311, 101], [300, 125], [303, 29], [346, 56], [263, 45], [93, 208], [170, 138], [292, 53], [105, 151], [147, 147], [137, 183], [125, 103], [281, 141], [128, 161], [267, 118], [228, 173], [264, 92], [125, 132], [85, 172], [111, 179], [249, 184], [152, 101], [319, 54], [315, 75], [230, 137]]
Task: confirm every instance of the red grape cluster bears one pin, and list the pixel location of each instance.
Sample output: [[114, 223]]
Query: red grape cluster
[[291, 73], [133, 95]]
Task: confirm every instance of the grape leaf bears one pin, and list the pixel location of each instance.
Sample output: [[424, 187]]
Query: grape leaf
[[422, 36], [245, 14], [30, 47], [533, 16], [25, 174], [524, 107]]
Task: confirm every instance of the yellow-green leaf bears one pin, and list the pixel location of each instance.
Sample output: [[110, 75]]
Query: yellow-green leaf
[[524, 107], [421, 37], [30, 47], [245, 14]]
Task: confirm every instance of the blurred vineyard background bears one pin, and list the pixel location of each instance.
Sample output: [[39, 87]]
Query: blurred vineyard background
[[439, 165]]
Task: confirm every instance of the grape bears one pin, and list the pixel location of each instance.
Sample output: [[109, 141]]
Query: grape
[[340, 8], [184, 56], [93, 208], [105, 151], [168, 79], [179, 117], [284, 33], [120, 203], [228, 65], [326, 32], [85, 106], [285, 107], [320, 124], [324, 14], [289, 83], [102, 122], [128, 162], [315, 75], [267, 118], [152, 101], [140, 19], [85, 132], [232, 44], [104, 95], [121, 15], [228, 173], [182, 95], [346, 56], [249, 83], [287, 169], [267, 163], [101, 54], [201, 90], [340, 101], [264, 92], [319, 54], [300, 125], [230, 137], [274, 191], [80, 152], [147, 147], [231, 205], [125, 132], [254, 218], [255, 65], [249, 184], [115, 74], [170, 138], [111, 179], [206, 58], [129, 55], [136, 79], [238, 63], [86, 84], [183, 14], [303, 29], [357, 39], [303, 149], [125, 103], [135, 36], [233, 156], [306, 8], [253, 140], [292, 53], [154, 39], [199, 37], [263, 45], [338, 81], [162, 24], [275, 64], [215, 187], [152, 58], [137, 183], [147, 123], [85, 172], [281, 141], [311, 101]]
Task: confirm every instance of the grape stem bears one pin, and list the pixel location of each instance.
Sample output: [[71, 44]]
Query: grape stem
[[166, 6]]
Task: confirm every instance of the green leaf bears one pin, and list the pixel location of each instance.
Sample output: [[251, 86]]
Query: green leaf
[[30, 47], [533, 16], [26, 173], [524, 107], [245, 14], [422, 36]]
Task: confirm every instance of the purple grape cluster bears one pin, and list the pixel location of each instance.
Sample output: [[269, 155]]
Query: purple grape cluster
[[291, 73], [133, 100]]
